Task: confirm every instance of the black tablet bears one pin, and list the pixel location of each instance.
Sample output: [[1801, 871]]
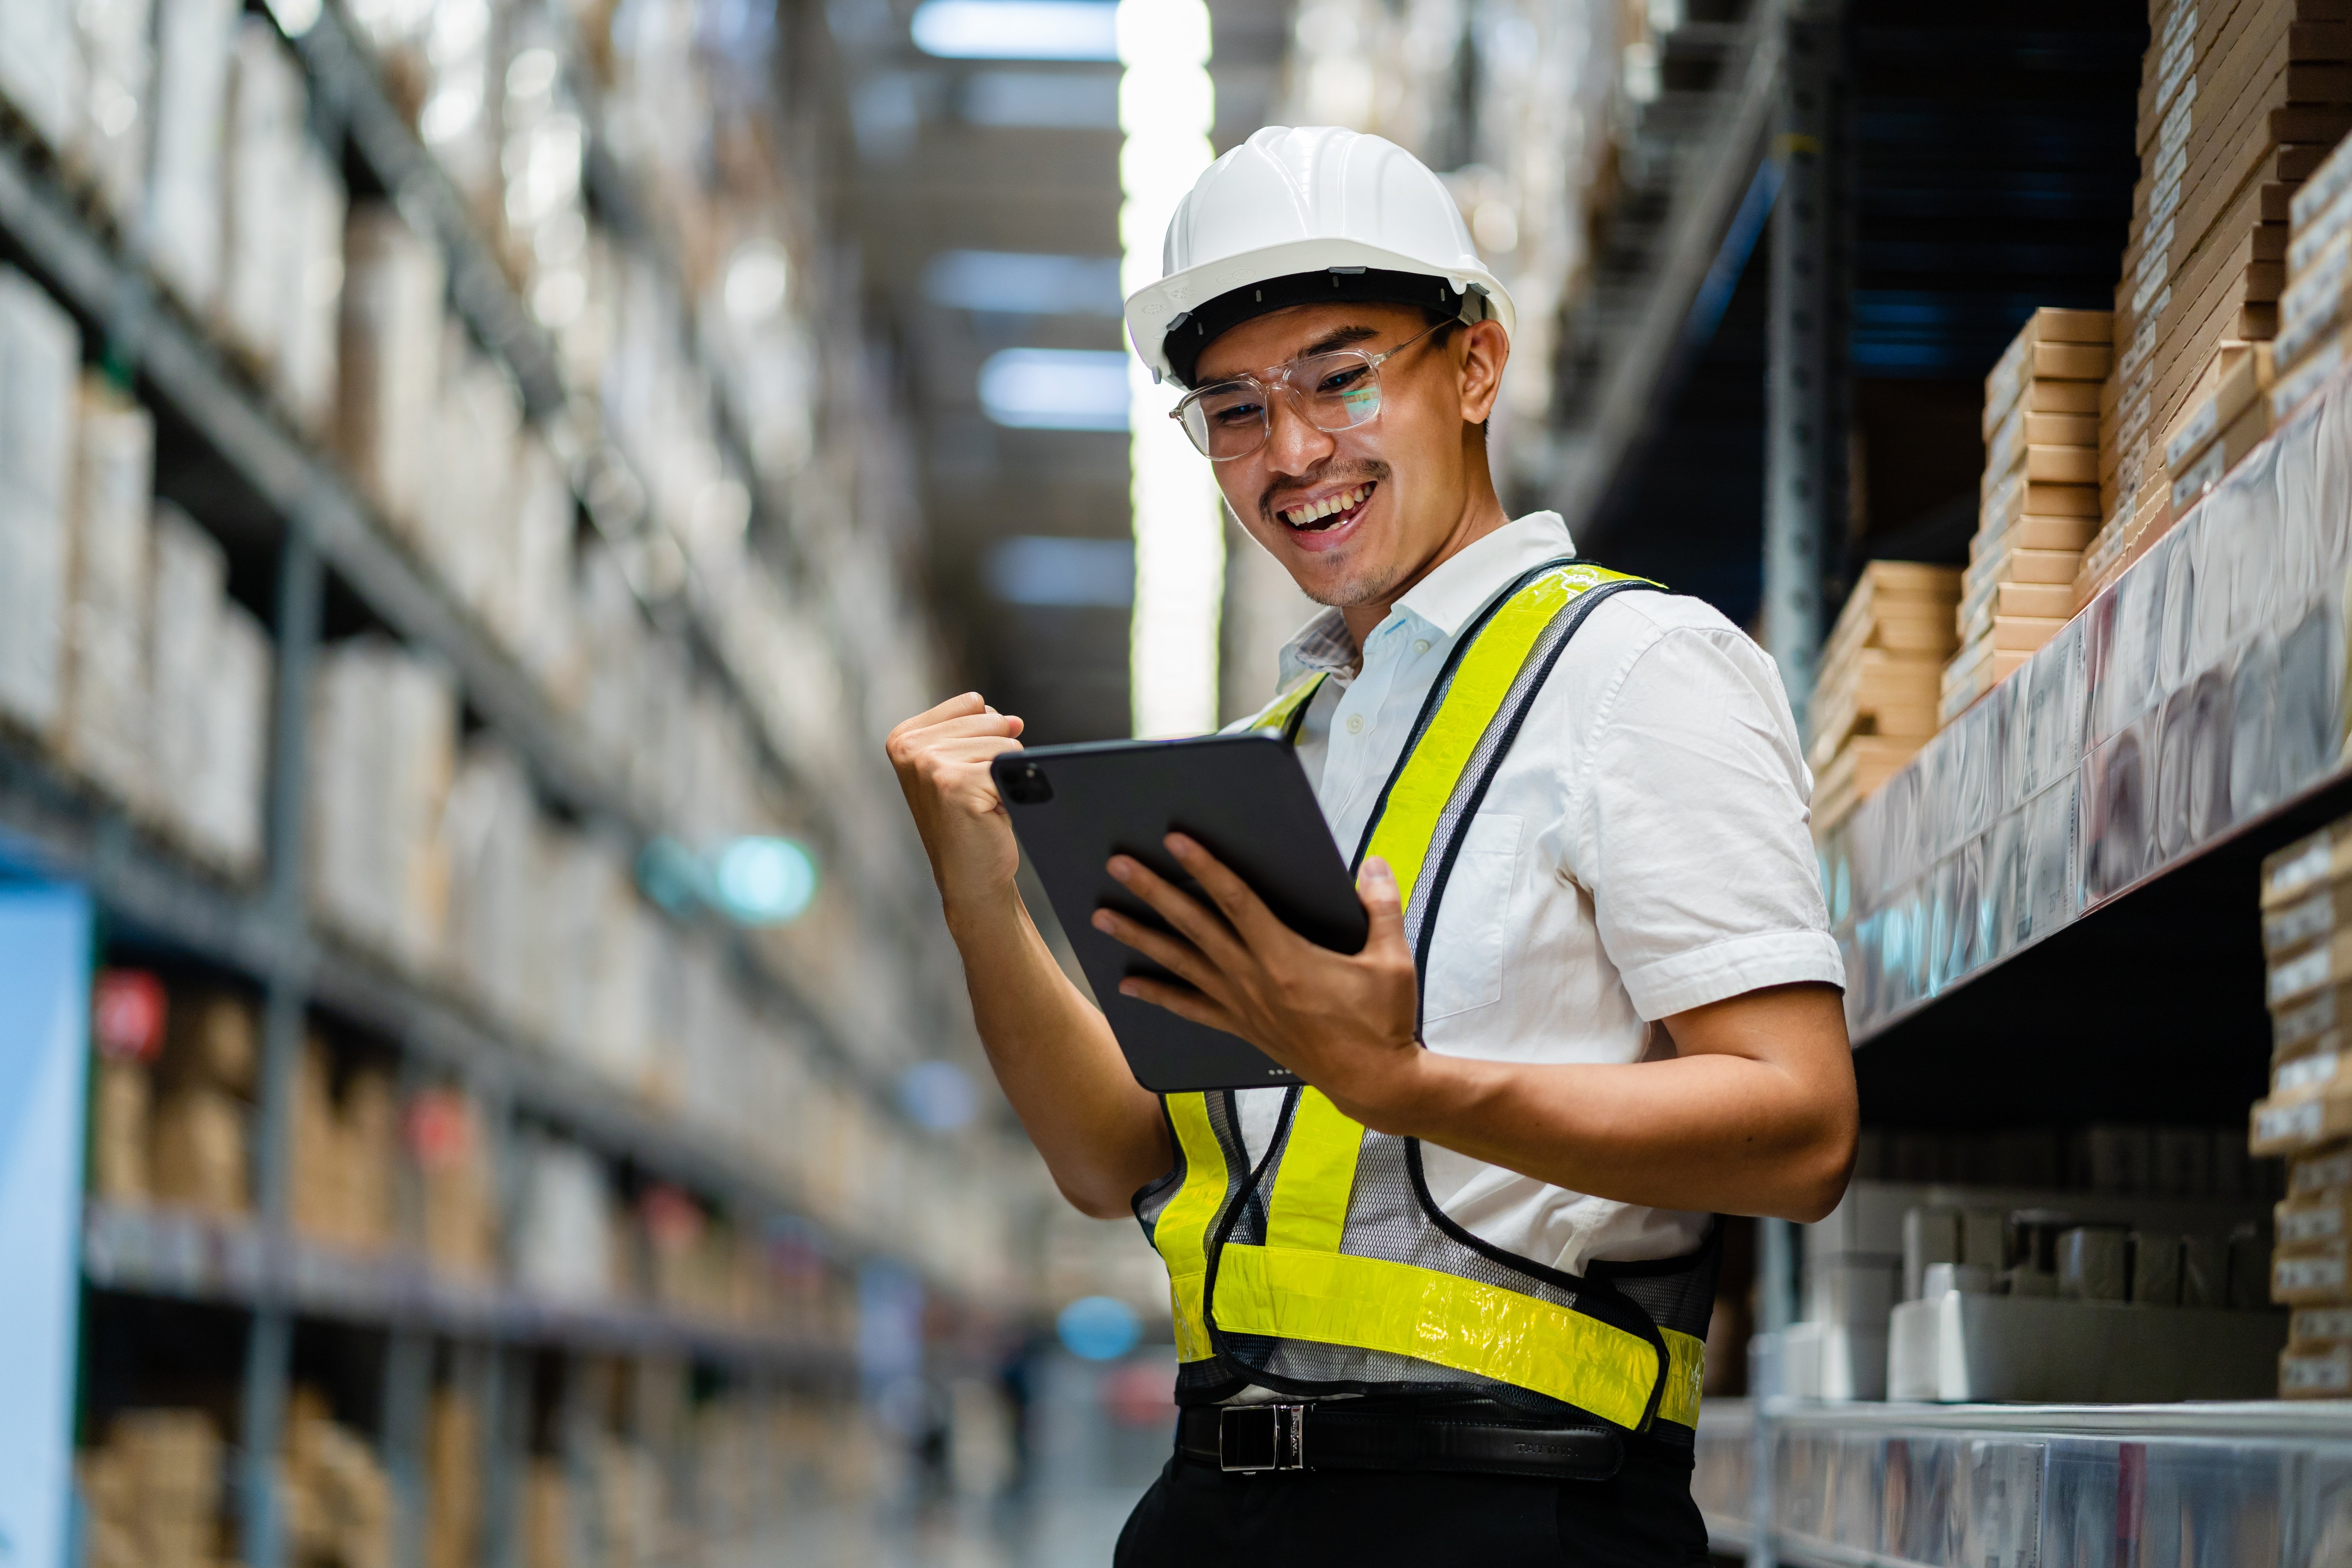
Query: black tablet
[[1246, 799]]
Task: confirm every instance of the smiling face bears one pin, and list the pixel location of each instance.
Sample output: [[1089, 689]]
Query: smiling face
[[1358, 516]]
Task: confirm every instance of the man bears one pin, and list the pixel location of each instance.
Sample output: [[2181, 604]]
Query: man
[[1446, 1304]]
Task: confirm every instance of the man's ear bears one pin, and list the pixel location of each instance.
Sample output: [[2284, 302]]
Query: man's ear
[[1482, 348]]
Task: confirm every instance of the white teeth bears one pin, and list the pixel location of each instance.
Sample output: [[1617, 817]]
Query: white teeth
[[1315, 512]]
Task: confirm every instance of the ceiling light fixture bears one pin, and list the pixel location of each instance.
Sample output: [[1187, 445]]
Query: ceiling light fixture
[[1017, 29]]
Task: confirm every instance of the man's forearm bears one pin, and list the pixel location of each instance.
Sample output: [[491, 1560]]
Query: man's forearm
[[1100, 1132], [1754, 1115]]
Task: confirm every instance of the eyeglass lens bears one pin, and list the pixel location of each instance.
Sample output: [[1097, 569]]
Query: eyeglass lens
[[1335, 391]]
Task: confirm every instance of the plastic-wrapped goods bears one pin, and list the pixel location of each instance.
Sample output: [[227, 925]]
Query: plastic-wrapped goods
[[382, 741], [208, 700], [40, 67], [337, 1499], [153, 1492], [267, 109], [40, 354], [193, 43], [105, 730], [598, 956], [562, 1240], [498, 936], [465, 521], [530, 608], [313, 278], [390, 369], [118, 62]]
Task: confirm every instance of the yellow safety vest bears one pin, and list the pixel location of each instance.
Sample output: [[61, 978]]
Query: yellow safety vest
[[1327, 1267]]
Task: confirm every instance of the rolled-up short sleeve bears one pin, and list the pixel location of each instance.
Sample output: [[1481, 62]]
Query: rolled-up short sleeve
[[1695, 844]]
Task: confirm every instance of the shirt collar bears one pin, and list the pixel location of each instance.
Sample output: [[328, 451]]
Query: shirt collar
[[1445, 599]]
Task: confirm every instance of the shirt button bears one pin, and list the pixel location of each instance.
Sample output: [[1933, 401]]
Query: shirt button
[[1355, 723], [1421, 647]]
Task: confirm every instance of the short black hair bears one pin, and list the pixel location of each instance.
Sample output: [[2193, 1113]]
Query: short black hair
[[1190, 334]]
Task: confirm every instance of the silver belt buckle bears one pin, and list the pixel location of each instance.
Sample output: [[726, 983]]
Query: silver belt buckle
[[1253, 1439]]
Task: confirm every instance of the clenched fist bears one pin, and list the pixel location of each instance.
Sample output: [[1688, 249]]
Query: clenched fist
[[942, 758]]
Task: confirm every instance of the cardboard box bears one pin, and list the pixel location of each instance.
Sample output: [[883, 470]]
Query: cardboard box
[[118, 62], [2314, 366], [40, 67], [2053, 345], [2245, 433], [2307, 865], [2303, 1025], [2043, 600], [2241, 378], [121, 1103], [390, 364], [2325, 1168], [2291, 927], [2300, 1122], [200, 1155]]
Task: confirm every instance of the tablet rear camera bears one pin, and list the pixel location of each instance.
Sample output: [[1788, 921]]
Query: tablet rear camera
[[1027, 784]]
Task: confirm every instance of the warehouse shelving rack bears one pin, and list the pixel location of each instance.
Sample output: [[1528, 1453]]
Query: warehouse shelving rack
[[153, 900], [1980, 195]]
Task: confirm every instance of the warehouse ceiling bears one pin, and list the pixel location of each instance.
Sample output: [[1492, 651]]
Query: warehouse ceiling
[[968, 167]]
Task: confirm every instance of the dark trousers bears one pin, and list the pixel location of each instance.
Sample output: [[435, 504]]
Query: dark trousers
[[1642, 1517]]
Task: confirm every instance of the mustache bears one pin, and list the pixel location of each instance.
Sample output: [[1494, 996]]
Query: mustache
[[1370, 469]]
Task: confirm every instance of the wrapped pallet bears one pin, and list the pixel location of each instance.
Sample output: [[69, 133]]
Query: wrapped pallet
[[104, 733], [1874, 701], [194, 40], [383, 745], [208, 700], [498, 930], [2237, 105], [118, 61], [390, 364], [2040, 495], [261, 213], [562, 1243], [40, 356], [40, 67]]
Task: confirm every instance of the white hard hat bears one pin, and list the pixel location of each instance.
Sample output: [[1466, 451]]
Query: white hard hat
[[1295, 202]]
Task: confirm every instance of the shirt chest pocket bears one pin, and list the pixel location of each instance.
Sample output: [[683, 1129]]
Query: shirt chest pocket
[[1474, 911]]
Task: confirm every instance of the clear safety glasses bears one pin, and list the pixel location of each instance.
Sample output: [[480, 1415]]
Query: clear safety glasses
[[1336, 391]]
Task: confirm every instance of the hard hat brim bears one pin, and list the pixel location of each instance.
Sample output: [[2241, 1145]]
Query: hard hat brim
[[1153, 309]]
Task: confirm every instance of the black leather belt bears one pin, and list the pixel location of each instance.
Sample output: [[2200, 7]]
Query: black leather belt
[[1338, 1435]]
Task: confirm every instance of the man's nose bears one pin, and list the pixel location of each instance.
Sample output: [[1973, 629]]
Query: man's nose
[[1293, 445]]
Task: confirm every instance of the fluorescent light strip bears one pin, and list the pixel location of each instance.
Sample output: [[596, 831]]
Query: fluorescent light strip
[[1166, 107], [1017, 29], [1055, 389]]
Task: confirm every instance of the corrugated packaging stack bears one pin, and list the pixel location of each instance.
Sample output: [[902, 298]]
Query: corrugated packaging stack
[[547, 1516], [336, 1497], [459, 1196], [1874, 699], [2039, 498], [153, 1492], [2306, 903], [127, 1011], [343, 1146], [2238, 104], [199, 1150], [104, 733], [453, 1461], [208, 701], [2314, 323]]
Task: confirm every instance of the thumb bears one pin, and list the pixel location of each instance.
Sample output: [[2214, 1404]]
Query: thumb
[[1376, 886]]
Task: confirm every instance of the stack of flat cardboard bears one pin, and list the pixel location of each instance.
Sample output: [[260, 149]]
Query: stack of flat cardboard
[[337, 1497], [343, 1150], [2307, 902], [1874, 699], [153, 1492], [198, 1148], [2238, 104], [2040, 498], [2314, 323]]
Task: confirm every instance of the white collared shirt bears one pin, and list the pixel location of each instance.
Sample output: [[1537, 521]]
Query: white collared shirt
[[1643, 850]]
